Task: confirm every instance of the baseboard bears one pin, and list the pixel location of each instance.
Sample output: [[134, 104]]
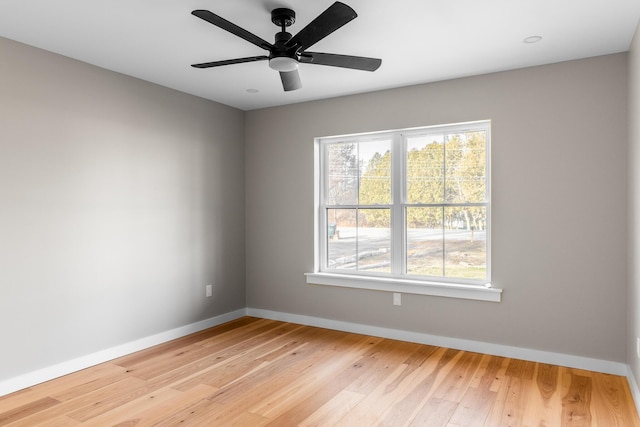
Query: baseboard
[[633, 385], [571, 361], [41, 375]]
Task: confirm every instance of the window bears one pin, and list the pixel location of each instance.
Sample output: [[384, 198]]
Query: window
[[408, 207]]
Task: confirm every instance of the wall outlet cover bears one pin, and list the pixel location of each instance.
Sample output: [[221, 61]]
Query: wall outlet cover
[[397, 298]]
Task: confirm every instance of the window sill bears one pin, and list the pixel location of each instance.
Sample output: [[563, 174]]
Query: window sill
[[407, 286]]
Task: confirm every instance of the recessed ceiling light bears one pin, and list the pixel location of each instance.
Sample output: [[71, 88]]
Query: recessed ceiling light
[[532, 39], [252, 90]]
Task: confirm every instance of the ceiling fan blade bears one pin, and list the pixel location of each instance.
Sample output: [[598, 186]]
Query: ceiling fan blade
[[344, 61], [290, 80], [232, 28], [337, 15], [230, 61]]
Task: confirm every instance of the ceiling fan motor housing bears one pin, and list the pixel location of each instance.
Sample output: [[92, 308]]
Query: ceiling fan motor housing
[[281, 58]]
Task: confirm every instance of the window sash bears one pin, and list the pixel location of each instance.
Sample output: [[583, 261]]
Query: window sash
[[398, 206]]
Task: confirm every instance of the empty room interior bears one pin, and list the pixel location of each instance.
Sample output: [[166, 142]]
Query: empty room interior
[[146, 202]]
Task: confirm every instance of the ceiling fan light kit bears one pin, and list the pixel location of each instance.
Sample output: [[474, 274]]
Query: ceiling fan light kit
[[283, 63], [288, 51]]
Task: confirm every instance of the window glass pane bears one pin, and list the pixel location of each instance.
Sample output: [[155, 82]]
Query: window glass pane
[[465, 167], [425, 245], [375, 172], [341, 174], [341, 242], [441, 231], [425, 169], [465, 242], [374, 240]]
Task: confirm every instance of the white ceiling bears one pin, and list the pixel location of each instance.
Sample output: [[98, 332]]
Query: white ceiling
[[418, 41]]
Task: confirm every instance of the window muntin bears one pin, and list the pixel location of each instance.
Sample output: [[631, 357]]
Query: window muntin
[[412, 204]]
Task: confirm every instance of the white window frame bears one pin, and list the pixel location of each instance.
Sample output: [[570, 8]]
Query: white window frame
[[397, 281]]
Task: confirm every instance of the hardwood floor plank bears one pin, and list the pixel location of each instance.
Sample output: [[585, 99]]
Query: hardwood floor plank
[[70, 385], [61, 421], [412, 363], [132, 412], [544, 406], [436, 413], [385, 356], [326, 390], [159, 413], [611, 396], [232, 341], [307, 387], [547, 380], [520, 369], [252, 390], [19, 398], [501, 388], [215, 333], [516, 401], [91, 383], [501, 375], [375, 405], [479, 398], [394, 402], [474, 408], [457, 382], [288, 369], [92, 400], [27, 409], [409, 405], [576, 403], [258, 372], [242, 333], [107, 401], [237, 360], [331, 412], [196, 413]]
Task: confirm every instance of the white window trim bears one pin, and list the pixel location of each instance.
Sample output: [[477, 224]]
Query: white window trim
[[445, 288], [407, 286]]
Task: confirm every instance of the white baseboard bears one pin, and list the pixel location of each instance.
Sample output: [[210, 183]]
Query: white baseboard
[[571, 361], [60, 369], [633, 385]]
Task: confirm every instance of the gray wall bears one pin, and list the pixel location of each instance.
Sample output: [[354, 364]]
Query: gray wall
[[119, 201], [559, 158], [634, 206]]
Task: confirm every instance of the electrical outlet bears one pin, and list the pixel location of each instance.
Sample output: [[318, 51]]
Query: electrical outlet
[[208, 290], [397, 298]]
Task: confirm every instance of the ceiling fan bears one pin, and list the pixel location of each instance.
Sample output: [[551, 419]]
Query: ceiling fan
[[289, 51]]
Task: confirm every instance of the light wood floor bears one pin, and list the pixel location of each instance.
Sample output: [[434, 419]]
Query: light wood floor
[[256, 372]]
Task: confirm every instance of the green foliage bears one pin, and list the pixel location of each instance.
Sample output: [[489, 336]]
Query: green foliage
[[375, 183], [449, 169], [375, 189]]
